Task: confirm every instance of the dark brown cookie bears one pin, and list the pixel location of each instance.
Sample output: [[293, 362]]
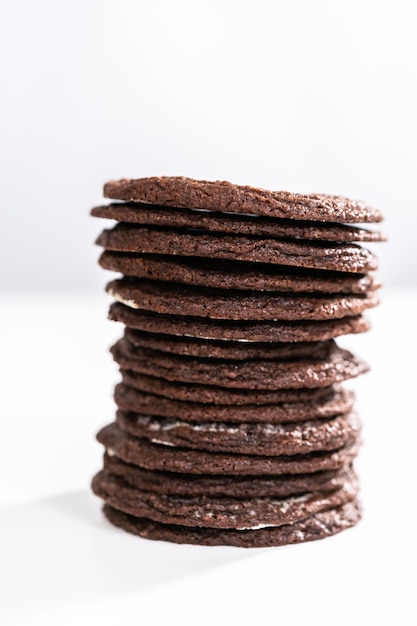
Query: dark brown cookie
[[149, 215], [237, 350], [335, 402], [179, 191], [211, 394], [222, 304], [269, 375], [319, 526], [223, 512], [155, 456], [248, 438], [316, 255], [237, 274], [172, 483], [206, 328]]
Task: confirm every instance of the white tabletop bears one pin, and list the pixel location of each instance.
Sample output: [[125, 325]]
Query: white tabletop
[[62, 563]]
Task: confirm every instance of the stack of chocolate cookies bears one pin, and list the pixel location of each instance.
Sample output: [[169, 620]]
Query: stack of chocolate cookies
[[232, 425]]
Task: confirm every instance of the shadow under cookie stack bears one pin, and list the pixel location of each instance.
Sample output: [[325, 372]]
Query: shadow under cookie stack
[[232, 424]]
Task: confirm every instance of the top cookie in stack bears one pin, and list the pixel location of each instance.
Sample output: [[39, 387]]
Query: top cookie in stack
[[232, 297]]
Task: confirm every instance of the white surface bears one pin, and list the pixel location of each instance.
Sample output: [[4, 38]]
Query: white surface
[[61, 563], [309, 96]]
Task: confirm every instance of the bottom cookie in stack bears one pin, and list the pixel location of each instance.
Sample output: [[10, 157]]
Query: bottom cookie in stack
[[317, 526]]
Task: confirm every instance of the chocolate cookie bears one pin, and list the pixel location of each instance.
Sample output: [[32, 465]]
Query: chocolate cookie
[[249, 438], [318, 526], [178, 191], [149, 215], [335, 402], [315, 255], [210, 394], [223, 512], [269, 375], [185, 325], [156, 456], [224, 304], [237, 350], [237, 274], [172, 483]]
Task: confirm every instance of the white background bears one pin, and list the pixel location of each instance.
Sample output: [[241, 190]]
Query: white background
[[285, 94], [297, 95]]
